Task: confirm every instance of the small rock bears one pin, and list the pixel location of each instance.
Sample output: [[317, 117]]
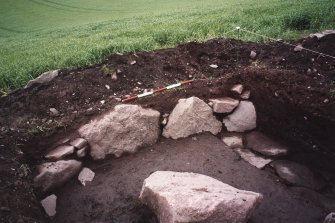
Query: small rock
[[114, 76], [330, 218], [214, 66], [253, 55], [82, 152], [55, 174], [298, 175], [194, 138], [309, 71], [190, 197], [78, 143], [118, 99], [298, 48], [60, 152], [107, 86], [264, 145], [43, 78], [252, 158], [54, 112], [86, 175], [211, 104], [245, 95], [49, 204], [165, 121], [224, 105], [326, 101], [118, 71], [276, 93], [133, 62], [233, 140], [238, 88], [242, 119], [102, 102]]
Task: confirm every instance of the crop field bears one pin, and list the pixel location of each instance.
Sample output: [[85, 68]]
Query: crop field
[[40, 35]]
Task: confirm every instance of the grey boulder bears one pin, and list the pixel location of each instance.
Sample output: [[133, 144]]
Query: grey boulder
[[242, 119], [55, 174], [123, 130], [191, 116], [190, 197], [43, 78]]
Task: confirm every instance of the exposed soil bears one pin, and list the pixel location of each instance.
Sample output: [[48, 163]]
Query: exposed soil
[[291, 92]]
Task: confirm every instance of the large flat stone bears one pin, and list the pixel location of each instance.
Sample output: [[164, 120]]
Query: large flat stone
[[191, 116], [253, 159], [190, 197], [242, 119], [224, 105], [55, 174], [43, 78], [262, 144], [60, 152], [123, 130], [298, 175]]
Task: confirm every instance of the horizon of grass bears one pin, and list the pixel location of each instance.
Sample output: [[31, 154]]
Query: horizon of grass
[[83, 34]]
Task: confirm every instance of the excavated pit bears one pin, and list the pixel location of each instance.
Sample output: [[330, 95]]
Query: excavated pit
[[290, 90]]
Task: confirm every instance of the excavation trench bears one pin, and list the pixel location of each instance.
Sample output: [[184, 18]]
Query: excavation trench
[[294, 107]]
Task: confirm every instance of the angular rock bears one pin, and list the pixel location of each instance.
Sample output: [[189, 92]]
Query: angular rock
[[298, 48], [191, 116], [224, 105], [79, 143], [60, 152], [330, 218], [298, 175], [55, 174], [86, 175], [49, 204], [54, 112], [245, 95], [43, 78], [237, 88], [264, 145], [82, 152], [253, 55], [252, 158], [233, 140], [242, 119], [190, 197], [125, 129]]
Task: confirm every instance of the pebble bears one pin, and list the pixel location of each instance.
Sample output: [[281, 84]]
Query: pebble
[[214, 66], [253, 54], [86, 175], [326, 101], [114, 76], [133, 62], [107, 86], [54, 112]]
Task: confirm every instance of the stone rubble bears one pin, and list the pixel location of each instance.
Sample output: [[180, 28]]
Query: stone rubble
[[252, 158], [190, 197], [78, 143], [191, 116], [86, 175], [49, 204], [82, 152], [232, 140], [237, 88], [224, 105], [60, 152]]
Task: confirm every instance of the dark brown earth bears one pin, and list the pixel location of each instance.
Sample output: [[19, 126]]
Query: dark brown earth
[[288, 88]]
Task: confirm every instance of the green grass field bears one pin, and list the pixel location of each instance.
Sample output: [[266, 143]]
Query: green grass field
[[40, 35]]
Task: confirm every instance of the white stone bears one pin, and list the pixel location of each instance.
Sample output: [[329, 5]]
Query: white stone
[[237, 88], [78, 143], [264, 145], [253, 55], [245, 95], [49, 204], [242, 119], [54, 112], [82, 152], [224, 105], [86, 175], [122, 130], [191, 116], [43, 78], [60, 152], [298, 48], [252, 158], [233, 140], [214, 66], [190, 197], [55, 174]]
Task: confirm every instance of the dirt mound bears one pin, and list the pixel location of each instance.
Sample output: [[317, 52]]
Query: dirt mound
[[291, 92]]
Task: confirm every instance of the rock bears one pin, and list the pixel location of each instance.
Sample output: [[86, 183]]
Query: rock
[[298, 48], [114, 76], [133, 62], [252, 158], [123, 130], [224, 105], [86, 175], [43, 78], [242, 119], [253, 55], [233, 140], [60, 152], [264, 145], [214, 66], [245, 95], [107, 87], [82, 152], [191, 116], [298, 175], [322, 34], [326, 101], [190, 197], [165, 121], [54, 112], [54, 174], [49, 204], [237, 88], [330, 218], [78, 143]]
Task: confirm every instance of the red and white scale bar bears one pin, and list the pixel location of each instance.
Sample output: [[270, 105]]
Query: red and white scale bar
[[156, 91]]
